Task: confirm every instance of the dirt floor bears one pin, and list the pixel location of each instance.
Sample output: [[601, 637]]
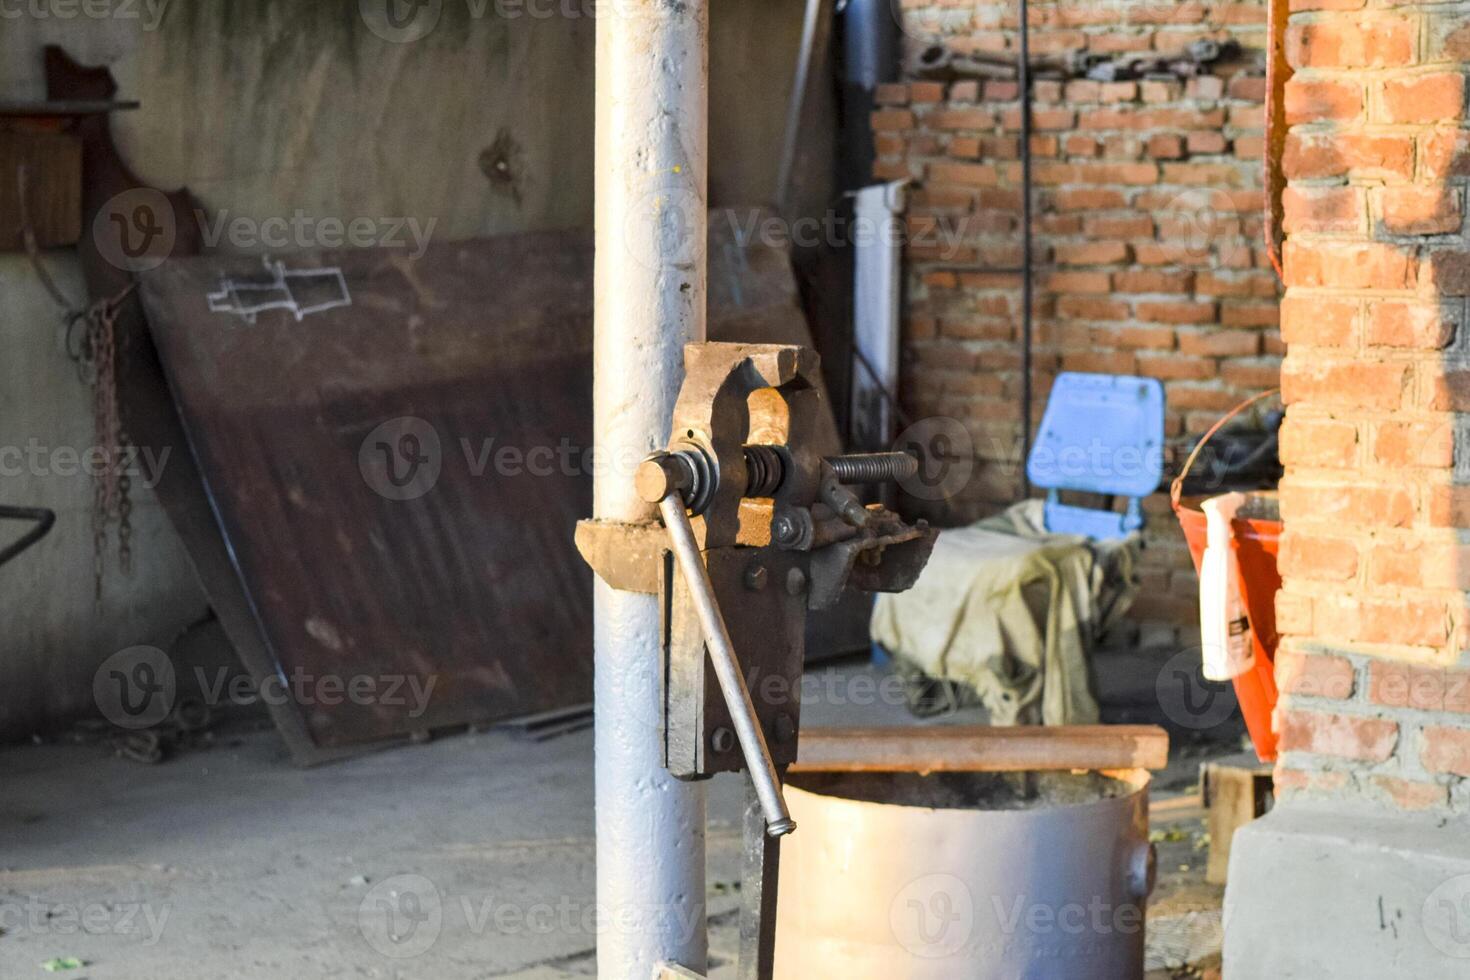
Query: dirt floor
[[226, 863]]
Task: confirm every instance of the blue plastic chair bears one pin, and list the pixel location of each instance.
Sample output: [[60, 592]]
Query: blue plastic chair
[[1102, 433]]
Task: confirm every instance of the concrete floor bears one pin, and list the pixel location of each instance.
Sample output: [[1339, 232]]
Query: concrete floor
[[230, 863]]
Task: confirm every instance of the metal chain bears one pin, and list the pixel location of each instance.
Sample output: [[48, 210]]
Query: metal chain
[[111, 500], [95, 352], [124, 516]]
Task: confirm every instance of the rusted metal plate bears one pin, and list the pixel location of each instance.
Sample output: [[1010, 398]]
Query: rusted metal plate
[[398, 477]]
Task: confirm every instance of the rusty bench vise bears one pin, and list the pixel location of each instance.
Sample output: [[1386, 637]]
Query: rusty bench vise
[[757, 528]]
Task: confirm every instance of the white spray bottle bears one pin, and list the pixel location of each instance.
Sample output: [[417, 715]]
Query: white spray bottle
[[1225, 628]]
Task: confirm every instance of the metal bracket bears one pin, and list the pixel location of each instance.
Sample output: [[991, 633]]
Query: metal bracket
[[758, 886], [628, 556], [762, 593]]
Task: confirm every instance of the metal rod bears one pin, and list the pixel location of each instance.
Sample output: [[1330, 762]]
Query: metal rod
[[650, 286], [727, 668], [882, 385], [796, 105], [43, 517], [1023, 74], [873, 467]]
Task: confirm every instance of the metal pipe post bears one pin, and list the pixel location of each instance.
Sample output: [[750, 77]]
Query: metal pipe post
[[1023, 73], [650, 288]]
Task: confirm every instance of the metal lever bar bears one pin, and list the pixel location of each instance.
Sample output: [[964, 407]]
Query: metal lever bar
[[727, 668], [43, 517]]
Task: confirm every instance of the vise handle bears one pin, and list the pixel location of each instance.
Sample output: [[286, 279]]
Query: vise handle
[[727, 667]]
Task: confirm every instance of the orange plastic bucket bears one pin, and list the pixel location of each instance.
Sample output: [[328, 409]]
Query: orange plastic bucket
[[1256, 539]]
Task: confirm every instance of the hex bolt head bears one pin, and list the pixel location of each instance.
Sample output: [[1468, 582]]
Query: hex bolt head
[[756, 577], [721, 740], [784, 529], [795, 582]]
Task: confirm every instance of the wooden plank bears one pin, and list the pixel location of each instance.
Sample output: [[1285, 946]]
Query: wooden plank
[[53, 163], [1190, 805], [956, 748], [1235, 793]]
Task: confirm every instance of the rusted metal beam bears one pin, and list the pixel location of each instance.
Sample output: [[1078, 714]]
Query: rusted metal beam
[[982, 749], [1278, 73]]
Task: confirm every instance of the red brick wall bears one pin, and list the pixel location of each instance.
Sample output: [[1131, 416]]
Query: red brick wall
[[1148, 236], [1377, 690]]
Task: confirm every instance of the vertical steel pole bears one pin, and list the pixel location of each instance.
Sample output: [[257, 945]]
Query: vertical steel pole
[[650, 287], [1023, 78]]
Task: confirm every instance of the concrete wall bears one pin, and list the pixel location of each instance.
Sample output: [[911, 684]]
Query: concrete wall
[[270, 109]]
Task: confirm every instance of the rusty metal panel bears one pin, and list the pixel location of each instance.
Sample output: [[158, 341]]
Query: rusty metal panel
[[397, 475], [355, 462]]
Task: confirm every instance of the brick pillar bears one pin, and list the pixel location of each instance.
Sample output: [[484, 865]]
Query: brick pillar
[[1376, 690], [1363, 867]]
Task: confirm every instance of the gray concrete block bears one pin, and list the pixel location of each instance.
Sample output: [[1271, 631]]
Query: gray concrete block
[[1325, 893]]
